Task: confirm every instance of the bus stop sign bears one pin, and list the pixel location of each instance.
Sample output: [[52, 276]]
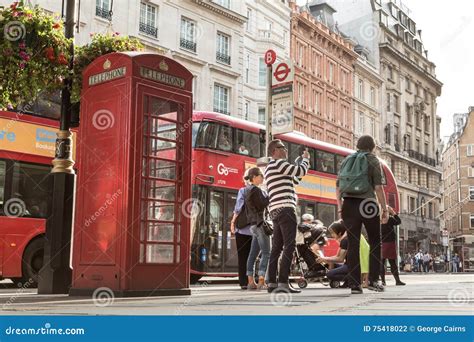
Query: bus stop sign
[[270, 57]]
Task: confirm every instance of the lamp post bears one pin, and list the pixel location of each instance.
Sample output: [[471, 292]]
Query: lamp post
[[55, 275]]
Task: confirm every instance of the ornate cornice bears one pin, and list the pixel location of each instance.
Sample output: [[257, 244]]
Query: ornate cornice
[[218, 9]]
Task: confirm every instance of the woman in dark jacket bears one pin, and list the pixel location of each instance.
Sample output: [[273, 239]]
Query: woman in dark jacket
[[389, 246], [255, 202]]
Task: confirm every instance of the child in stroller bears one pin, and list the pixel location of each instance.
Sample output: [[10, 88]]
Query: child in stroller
[[310, 238]]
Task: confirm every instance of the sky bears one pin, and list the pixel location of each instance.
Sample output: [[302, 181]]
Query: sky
[[448, 35]]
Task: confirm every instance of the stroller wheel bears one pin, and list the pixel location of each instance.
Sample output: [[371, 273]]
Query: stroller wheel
[[334, 284], [302, 283], [324, 281]]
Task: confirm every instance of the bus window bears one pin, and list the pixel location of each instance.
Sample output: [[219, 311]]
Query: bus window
[[224, 142], [207, 135], [247, 143], [326, 213], [339, 160], [195, 132], [262, 143], [324, 162], [294, 152], [31, 185], [2, 183]]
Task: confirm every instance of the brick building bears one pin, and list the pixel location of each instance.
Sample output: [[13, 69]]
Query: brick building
[[458, 195]]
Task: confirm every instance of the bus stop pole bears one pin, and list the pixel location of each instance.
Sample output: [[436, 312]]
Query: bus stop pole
[[268, 121], [55, 276]]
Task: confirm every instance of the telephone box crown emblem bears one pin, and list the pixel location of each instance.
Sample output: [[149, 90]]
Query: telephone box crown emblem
[[163, 66], [107, 64]]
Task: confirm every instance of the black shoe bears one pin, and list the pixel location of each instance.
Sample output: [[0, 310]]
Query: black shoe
[[270, 289], [400, 283], [284, 289], [244, 287], [357, 290], [374, 286], [383, 283]]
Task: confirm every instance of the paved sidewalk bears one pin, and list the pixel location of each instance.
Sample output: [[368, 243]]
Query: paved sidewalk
[[431, 294]]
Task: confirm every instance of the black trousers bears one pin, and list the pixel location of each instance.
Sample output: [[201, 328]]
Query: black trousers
[[355, 212], [393, 269], [283, 243], [243, 243]]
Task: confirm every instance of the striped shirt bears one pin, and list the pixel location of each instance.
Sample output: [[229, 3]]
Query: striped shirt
[[280, 181]]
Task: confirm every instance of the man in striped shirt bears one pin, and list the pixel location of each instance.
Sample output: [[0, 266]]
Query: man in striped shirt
[[280, 179]]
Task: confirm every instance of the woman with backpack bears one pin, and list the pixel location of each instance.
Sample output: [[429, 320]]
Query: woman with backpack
[[243, 236], [361, 200], [256, 202]]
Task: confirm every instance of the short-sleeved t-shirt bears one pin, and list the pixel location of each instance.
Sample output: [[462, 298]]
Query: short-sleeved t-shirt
[[375, 177], [344, 244]]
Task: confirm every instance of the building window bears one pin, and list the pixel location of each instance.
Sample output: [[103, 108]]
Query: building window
[[412, 205], [261, 115], [223, 48], [361, 123], [361, 90], [331, 72], [472, 221], [372, 96], [470, 172], [395, 102], [471, 193], [372, 127], [221, 99], [390, 72], [188, 34], [345, 116], [223, 3], [409, 113], [408, 85], [300, 54], [248, 25], [148, 20], [262, 72], [418, 146], [102, 9], [247, 68], [388, 103], [247, 110], [470, 150], [300, 94]]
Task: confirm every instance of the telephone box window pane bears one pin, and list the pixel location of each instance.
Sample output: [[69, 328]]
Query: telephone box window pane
[[162, 254], [163, 129], [178, 251], [162, 232], [161, 190], [160, 211], [166, 109], [142, 253], [157, 145], [142, 231], [162, 169]]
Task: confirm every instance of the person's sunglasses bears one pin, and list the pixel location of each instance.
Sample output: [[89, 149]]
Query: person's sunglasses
[[281, 147]]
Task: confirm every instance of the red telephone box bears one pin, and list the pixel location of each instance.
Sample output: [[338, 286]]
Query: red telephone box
[[131, 231]]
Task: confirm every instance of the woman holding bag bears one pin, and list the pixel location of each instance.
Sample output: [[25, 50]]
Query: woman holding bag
[[256, 202]]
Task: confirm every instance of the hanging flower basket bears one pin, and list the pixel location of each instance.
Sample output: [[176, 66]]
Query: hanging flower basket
[[33, 54], [101, 44]]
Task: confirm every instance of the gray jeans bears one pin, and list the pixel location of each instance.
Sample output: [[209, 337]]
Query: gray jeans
[[260, 242]]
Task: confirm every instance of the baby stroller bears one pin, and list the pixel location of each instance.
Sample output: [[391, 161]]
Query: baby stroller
[[309, 268]]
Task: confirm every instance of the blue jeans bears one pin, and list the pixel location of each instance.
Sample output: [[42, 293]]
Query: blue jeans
[[260, 241], [338, 273]]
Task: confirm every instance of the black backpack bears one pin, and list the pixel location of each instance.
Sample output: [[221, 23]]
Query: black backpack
[[242, 220]]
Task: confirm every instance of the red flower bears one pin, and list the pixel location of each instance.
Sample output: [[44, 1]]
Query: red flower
[[56, 25], [62, 59], [14, 5], [49, 52]]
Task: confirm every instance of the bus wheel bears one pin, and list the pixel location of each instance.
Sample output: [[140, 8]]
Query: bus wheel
[[194, 278], [32, 262]]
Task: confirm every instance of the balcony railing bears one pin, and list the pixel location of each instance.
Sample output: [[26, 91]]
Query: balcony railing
[[421, 157], [102, 12], [148, 30], [268, 35], [221, 110], [187, 44], [223, 58]]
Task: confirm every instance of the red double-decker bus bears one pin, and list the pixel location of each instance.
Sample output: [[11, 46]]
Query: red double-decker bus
[[223, 148]]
